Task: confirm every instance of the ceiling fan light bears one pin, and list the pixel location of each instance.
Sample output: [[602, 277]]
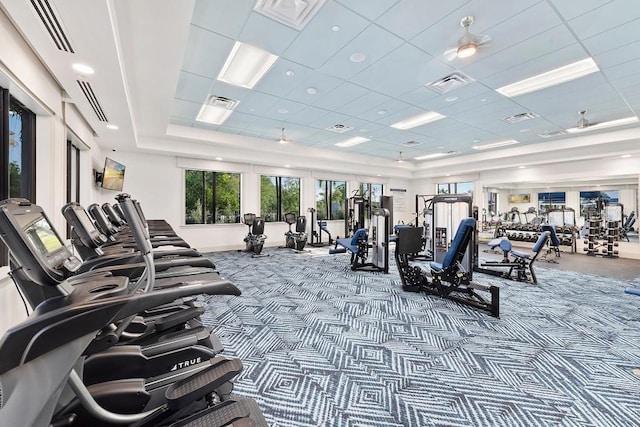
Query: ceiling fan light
[[283, 139], [467, 50]]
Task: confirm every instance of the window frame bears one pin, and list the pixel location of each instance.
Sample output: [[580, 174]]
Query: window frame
[[209, 180], [279, 213]]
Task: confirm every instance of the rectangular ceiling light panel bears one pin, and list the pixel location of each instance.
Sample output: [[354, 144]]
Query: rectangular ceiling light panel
[[216, 109], [352, 141], [246, 65], [434, 155], [550, 78], [495, 144], [605, 125], [419, 120]]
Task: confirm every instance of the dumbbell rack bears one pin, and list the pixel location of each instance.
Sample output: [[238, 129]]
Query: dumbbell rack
[[530, 233], [606, 247]]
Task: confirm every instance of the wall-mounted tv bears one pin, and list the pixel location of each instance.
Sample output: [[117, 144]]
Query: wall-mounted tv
[[112, 175]]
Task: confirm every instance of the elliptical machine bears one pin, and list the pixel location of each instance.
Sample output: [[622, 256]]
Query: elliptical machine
[[298, 239], [254, 240]]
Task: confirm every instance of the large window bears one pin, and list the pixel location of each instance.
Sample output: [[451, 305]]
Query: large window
[[17, 158], [278, 196], [330, 199], [551, 200], [211, 197], [456, 188], [372, 194]]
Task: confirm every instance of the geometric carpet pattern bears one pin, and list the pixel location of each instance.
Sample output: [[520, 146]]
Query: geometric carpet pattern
[[323, 345]]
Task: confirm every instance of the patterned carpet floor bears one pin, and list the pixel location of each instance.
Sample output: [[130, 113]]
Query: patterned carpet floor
[[325, 346]]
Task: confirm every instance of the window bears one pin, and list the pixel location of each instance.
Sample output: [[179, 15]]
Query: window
[[549, 201], [211, 197], [17, 158], [372, 194], [594, 202], [492, 204], [278, 196], [456, 188], [330, 199]]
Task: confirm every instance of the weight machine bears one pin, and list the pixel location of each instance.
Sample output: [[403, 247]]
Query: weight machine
[[316, 235], [378, 241]]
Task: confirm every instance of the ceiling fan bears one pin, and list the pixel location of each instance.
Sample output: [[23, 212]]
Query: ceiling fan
[[283, 139], [583, 123], [468, 44]]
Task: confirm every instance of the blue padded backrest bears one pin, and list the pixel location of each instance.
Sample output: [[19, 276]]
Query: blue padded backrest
[[301, 224], [505, 245], [553, 236], [460, 242], [541, 241], [360, 234]]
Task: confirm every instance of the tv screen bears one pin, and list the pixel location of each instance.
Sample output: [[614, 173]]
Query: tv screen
[[113, 175]]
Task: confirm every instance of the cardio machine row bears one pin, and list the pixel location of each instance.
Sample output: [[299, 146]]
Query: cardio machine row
[[115, 336]]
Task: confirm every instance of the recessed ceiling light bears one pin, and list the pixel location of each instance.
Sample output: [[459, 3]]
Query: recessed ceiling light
[[382, 112], [554, 77], [451, 99], [287, 166], [335, 28], [495, 144], [112, 127], [483, 100], [246, 65], [420, 119], [521, 167], [378, 175], [357, 57], [290, 73], [283, 110], [218, 158], [476, 140], [434, 155], [626, 156], [604, 125], [352, 141], [312, 90], [83, 69]]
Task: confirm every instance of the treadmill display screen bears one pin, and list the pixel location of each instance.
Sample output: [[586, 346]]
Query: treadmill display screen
[[40, 233]]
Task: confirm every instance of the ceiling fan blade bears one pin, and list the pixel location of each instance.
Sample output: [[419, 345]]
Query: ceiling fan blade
[[450, 54], [483, 39]]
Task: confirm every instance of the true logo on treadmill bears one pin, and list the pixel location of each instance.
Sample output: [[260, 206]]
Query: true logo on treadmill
[[186, 363]]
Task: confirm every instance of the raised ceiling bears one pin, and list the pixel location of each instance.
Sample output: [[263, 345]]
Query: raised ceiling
[[157, 62]]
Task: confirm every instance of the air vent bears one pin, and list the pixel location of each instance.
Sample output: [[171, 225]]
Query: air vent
[[411, 143], [221, 102], [86, 88], [520, 117], [53, 24], [551, 134], [294, 14], [450, 82], [338, 128]]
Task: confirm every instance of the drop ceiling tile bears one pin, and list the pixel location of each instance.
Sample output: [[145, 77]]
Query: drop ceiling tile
[[617, 56], [257, 103], [180, 121], [322, 83], [569, 10], [239, 120], [329, 120], [614, 38], [282, 109], [193, 87], [206, 52], [626, 71], [276, 82], [393, 108], [340, 64], [279, 36], [228, 91], [306, 115], [367, 8], [318, 42], [364, 103], [185, 109], [343, 94], [558, 58], [445, 33], [225, 17], [605, 17], [410, 68], [395, 19], [514, 55]]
